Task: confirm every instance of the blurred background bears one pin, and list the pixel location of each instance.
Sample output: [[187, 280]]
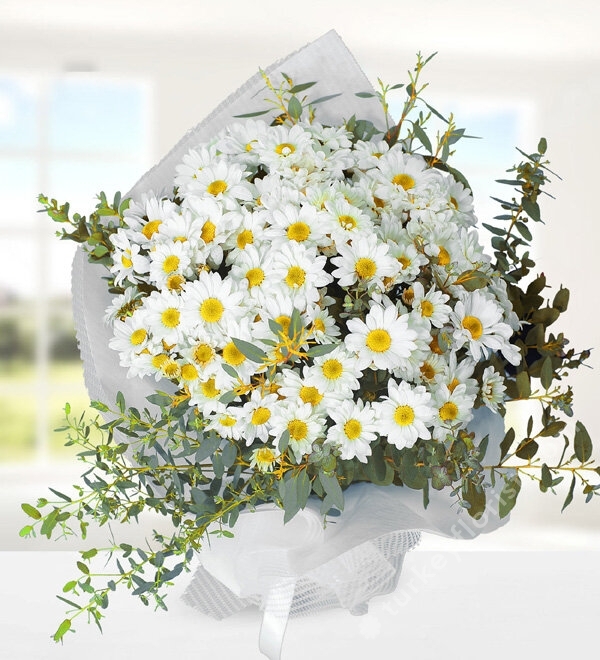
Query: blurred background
[[92, 95]]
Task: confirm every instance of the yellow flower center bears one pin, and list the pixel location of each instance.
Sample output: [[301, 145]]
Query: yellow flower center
[[427, 371], [170, 317], [265, 456], [159, 360], [126, 261], [295, 277], [211, 310], [404, 181], [232, 355], [473, 325], [209, 390], [347, 222], [408, 295], [454, 384], [449, 411], [298, 429], [285, 149], [404, 262], [365, 268], [227, 420], [150, 228], [260, 416], [244, 238], [298, 231], [216, 187], [318, 325], [404, 415], [138, 336], [284, 321], [426, 308], [453, 203], [332, 369], [203, 354], [352, 429], [189, 372], [310, 394], [379, 340], [175, 282], [208, 232], [255, 276], [443, 256], [435, 346], [171, 263], [170, 368]]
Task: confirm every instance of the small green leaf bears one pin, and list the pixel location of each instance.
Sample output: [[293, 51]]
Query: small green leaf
[[320, 349], [98, 405], [294, 107], [247, 115], [333, 489], [31, 511], [542, 146], [506, 443], [547, 373], [523, 385], [508, 496], [301, 87], [422, 136], [561, 300], [83, 568], [364, 95], [252, 352], [582, 443], [569, 497], [64, 627]]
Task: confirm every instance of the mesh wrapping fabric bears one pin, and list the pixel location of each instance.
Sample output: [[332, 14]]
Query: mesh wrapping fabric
[[301, 567]]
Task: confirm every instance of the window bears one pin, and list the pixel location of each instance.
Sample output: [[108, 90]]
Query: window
[[67, 137]]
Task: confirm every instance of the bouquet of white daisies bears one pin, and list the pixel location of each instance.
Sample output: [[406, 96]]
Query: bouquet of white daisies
[[316, 308]]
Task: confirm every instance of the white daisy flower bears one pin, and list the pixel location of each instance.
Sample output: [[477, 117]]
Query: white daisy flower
[[298, 224], [336, 371], [164, 316], [225, 421], [193, 163], [131, 337], [367, 154], [285, 147], [354, 429], [211, 303], [454, 410], [264, 458], [222, 181], [492, 389], [365, 262], [344, 220], [128, 263], [404, 415], [123, 305], [168, 263], [299, 273], [302, 422], [477, 322], [431, 306], [256, 415], [145, 218], [322, 325], [382, 340]]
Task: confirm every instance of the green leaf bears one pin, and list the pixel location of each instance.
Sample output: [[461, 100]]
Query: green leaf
[[284, 441], [301, 87], [561, 300], [121, 402], [252, 352], [364, 95], [422, 136], [508, 497], [582, 443], [523, 229], [26, 531], [88, 554], [320, 349], [247, 115], [475, 496], [546, 478], [547, 373], [523, 385], [506, 443], [569, 497], [333, 489], [527, 449], [31, 511], [98, 405], [542, 146], [294, 108], [83, 568], [322, 99], [532, 209], [64, 627]]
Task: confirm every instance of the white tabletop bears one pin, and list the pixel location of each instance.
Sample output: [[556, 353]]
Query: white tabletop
[[471, 605]]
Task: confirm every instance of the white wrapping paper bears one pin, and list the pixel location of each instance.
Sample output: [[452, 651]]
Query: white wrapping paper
[[303, 566]]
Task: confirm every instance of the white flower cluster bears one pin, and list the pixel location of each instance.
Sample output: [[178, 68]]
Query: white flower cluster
[[368, 247]]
